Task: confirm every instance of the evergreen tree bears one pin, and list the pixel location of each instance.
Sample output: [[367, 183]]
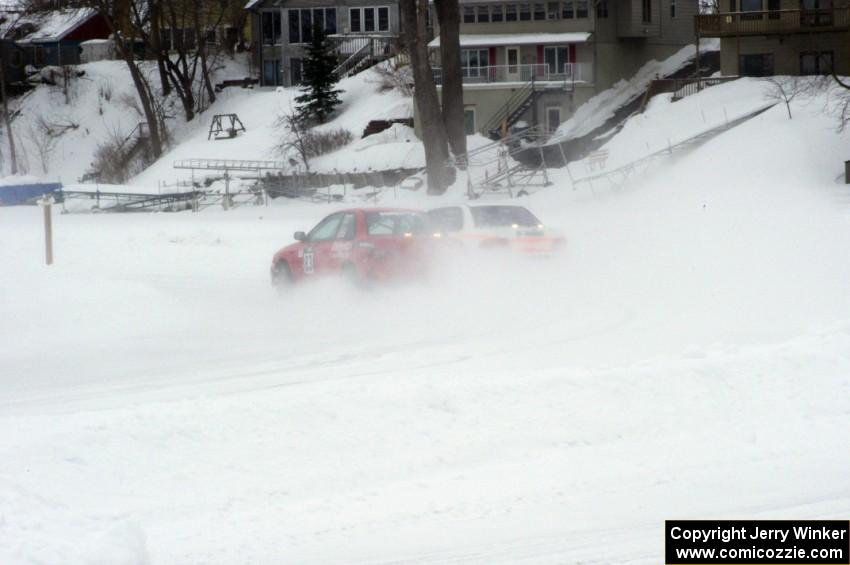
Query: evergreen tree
[[319, 96]]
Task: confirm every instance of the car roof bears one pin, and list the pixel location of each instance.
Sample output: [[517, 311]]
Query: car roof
[[409, 210]]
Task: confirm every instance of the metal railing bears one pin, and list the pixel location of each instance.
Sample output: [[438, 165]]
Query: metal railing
[[359, 50], [680, 87], [772, 22], [571, 72]]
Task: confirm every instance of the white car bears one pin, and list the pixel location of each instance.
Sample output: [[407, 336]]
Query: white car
[[494, 226]]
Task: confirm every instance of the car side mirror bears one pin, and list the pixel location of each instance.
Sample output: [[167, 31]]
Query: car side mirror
[[300, 236]]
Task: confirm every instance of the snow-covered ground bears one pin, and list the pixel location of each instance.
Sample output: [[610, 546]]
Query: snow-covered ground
[[596, 111], [688, 356], [363, 100]]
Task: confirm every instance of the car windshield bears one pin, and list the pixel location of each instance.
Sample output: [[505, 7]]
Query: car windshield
[[497, 216], [395, 223]]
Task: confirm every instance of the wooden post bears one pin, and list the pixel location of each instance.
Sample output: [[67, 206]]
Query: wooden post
[[46, 203]]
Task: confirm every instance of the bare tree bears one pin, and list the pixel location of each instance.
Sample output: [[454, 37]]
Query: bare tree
[[43, 140], [786, 89], [434, 137], [294, 136], [448, 13]]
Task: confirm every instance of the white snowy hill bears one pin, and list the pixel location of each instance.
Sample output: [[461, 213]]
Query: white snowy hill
[[687, 357]]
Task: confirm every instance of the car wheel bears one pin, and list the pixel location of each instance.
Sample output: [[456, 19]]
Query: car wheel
[[281, 276]]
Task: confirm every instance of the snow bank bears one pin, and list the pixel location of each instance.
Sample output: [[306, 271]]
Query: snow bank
[[593, 113], [664, 123]]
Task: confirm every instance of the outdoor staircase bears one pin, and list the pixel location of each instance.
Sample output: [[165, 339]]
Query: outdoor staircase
[[360, 52], [515, 108]]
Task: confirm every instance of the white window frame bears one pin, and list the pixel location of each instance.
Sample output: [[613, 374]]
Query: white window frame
[[362, 11], [564, 63]]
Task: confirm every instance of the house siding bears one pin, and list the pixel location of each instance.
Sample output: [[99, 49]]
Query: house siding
[[283, 53], [786, 51]]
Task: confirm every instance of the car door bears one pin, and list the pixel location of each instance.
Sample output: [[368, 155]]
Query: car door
[[339, 252], [317, 249]]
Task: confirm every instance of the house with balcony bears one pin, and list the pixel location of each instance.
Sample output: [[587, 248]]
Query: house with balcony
[[364, 31], [537, 61], [779, 37]]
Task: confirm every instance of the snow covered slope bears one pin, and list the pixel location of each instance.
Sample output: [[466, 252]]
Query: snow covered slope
[[258, 109], [688, 357]]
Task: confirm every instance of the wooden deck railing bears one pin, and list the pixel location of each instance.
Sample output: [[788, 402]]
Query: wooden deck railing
[[772, 22], [680, 87]]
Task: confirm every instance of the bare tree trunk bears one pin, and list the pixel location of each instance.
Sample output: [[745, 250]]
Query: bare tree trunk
[[143, 90], [201, 43], [156, 46], [413, 17], [13, 166], [448, 13]]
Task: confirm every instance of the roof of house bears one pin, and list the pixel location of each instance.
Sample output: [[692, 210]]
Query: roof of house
[[489, 40], [50, 26]]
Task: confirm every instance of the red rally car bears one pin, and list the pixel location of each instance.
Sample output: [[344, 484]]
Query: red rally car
[[362, 244]]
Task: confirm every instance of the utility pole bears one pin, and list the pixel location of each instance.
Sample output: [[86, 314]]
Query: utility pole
[[46, 204]]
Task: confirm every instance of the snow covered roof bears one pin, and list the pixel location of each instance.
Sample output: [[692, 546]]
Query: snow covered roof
[[487, 40], [53, 26]]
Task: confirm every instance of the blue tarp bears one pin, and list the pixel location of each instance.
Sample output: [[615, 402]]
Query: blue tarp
[[14, 194]]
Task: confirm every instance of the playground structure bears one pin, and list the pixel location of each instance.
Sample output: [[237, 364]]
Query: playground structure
[[219, 131]]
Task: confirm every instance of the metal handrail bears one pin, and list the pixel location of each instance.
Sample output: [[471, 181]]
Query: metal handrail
[[573, 72]]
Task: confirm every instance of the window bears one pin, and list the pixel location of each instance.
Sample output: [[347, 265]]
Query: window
[[567, 9], [757, 65], [271, 73], [672, 9], [473, 61], [469, 14], [496, 13], [483, 14], [395, 223], [581, 8], [503, 216], [553, 11], [646, 6], [539, 11], [369, 19], [327, 229], [750, 5], [469, 121], [301, 23], [553, 118], [296, 68], [816, 63], [210, 37], [773, 7], [555, 58], [448, 219], [510, 13], [271, 25], [602, 8], [525, 12], [330, 20], [348, 227], [16, 59]]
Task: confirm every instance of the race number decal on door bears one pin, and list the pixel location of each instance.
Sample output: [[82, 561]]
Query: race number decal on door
[[308, 261]]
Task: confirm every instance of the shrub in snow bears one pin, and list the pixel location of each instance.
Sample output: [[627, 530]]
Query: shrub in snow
[[325, 141]]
